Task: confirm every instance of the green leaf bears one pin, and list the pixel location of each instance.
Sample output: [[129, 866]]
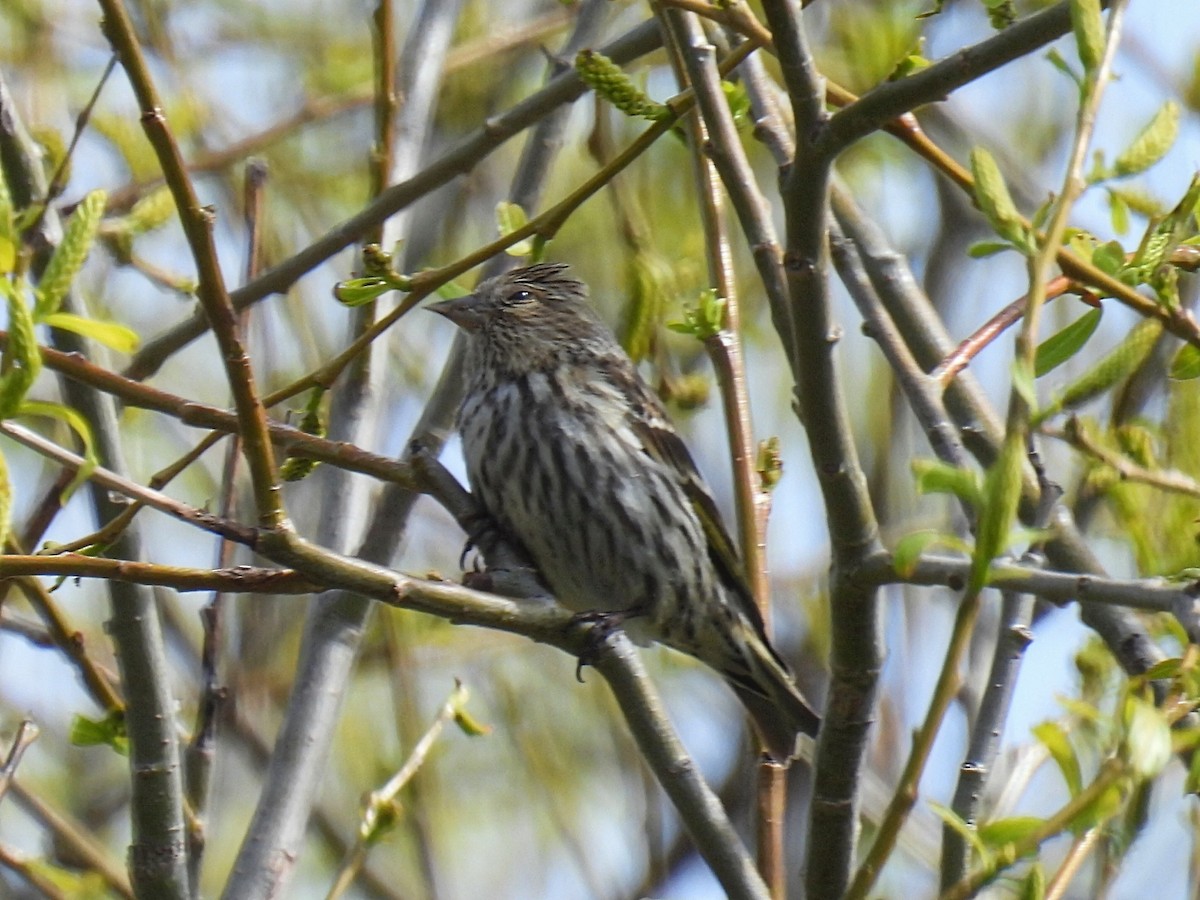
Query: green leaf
[[1166, 668], [1033, 885], [1003, 832], [22, 358], [1147, 738], [1109, 258], [1002, 491], [452, 290], [1055, 740], [937, 477], [651, 282], [705, 319], [1186, 364], [1056, 59], [69, 255], [981, 249], [994, 201], [1152, 143], [964, 829], [361, 291], [909, 548], [110, 334], [511, 217], [108, 731], [74, 420], [1058, 348], [1001, 13], [1089, 32], [1103, 808], [1118, 211]]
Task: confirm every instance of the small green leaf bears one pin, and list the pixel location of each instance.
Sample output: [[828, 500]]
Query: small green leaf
[[1003, 832], [1152, 143], [1058, 348], [1089, 32], [109, 731], [1001, 13], [74, 420], [1109, 258], [651, 283], [739, 103], [110, 334], [1056, 59], [937, 477], [981, 249], [69, 255], [22, 359], [1166, 668], [705, 319], [511, 217], [1147, 738], [361, 291], [967, 832], [994, 201], [1055, 740], [452, 290], [909, 548], [1118, 212], [1033, 885], [1002, 491], [1103, 808], [1186, 364]]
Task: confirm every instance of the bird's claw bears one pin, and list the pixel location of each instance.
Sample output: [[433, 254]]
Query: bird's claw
[[600, 625]]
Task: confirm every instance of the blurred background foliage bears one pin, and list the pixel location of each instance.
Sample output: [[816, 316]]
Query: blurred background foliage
[[553, 801]]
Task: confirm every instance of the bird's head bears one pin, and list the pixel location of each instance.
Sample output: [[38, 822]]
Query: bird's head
[[528, 319]]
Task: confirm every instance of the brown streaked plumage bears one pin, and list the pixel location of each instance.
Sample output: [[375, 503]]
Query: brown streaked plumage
[[572, 454]]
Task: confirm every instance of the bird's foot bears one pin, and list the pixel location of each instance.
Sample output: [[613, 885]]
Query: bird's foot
[[599, 625]]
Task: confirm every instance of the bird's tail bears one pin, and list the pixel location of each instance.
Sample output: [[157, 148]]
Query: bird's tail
[[777, 708]]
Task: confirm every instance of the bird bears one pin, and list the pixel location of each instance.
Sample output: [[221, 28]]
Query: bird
[[571, 454]]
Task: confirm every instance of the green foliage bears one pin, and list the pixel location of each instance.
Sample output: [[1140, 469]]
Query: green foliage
[[1088, 26], [296, 468], [936, 477], [1115, 366], [22, 361], [705, 319], [1058, 348], [651, 285], [996, 204], [998, 510], [511, 217], [109, 731], [908, 550]]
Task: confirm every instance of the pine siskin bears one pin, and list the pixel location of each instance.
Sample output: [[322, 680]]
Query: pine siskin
[[571, 454]]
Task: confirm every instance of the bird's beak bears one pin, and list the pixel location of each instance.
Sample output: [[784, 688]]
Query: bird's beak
[[462, 311]]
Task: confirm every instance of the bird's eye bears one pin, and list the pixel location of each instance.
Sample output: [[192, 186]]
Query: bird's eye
[[519, 297]]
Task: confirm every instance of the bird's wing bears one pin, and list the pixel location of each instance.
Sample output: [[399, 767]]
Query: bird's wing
[[648, 421]]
